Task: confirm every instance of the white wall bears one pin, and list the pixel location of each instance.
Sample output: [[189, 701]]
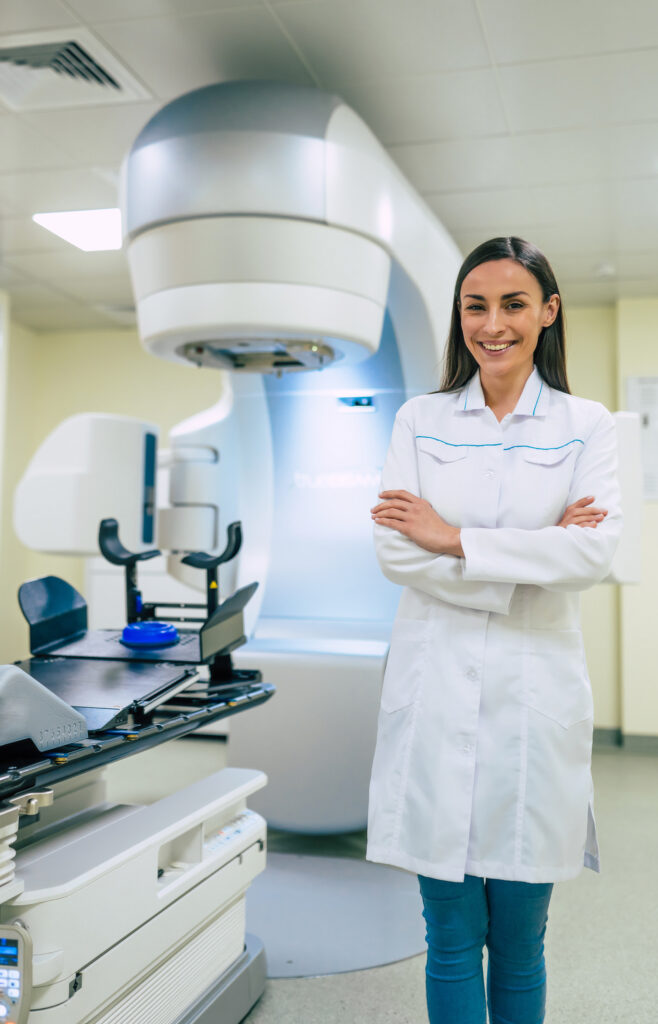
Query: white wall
[[592, 372], [637, 355]]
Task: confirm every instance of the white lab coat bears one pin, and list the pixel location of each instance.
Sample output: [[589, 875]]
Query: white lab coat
[[483, 757]]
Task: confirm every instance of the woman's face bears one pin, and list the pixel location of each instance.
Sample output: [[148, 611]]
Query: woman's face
[[502, 315]]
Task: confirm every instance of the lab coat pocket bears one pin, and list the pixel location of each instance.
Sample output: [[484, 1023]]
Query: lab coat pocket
[[405, 665], [549, 456], [444, 478], [555, 676], [441, 451], [546, 481]]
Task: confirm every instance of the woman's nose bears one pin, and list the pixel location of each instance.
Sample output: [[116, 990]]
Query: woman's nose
[[494, 324]]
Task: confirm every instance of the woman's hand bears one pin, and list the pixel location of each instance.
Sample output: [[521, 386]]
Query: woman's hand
[[416, 519], [579, 514]]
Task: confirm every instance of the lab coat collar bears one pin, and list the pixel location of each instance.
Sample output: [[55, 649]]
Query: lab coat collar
[[533, 400]]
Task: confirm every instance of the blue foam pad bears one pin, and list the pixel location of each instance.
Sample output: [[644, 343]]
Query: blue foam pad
[[149, 634]]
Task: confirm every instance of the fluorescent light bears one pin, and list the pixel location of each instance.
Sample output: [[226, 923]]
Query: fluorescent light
[[90, 230]]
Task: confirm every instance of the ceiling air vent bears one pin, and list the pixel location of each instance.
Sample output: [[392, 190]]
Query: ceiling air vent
[[65, 68], [65, 58]]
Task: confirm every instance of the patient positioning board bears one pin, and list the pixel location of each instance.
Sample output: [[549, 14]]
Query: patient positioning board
[[110, 683], [57, 616]]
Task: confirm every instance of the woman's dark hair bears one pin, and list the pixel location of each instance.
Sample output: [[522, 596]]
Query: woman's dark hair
[[458, 363]]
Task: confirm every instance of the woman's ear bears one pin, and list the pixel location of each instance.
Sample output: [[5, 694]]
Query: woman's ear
[[552, 309]]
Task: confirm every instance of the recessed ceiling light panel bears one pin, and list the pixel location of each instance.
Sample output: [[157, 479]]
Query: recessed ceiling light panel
[[90, 230]]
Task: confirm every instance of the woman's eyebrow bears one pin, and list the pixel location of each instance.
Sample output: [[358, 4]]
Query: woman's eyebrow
[[509, 295]]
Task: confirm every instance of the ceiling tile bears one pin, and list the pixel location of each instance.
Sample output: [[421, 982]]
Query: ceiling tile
[[551, 239], [636, 202], [72, 264], [21, 234], [599, 293], [34, 295], [22, 147], [174, 55], [562, 219], [29, 15], [633, 149], [93, 135], [508, 160], [61, 316], [106, 289], [456, 104], [45, 191], [122, 314], [568, 238], [574, 203], [637, 264], [525, 30], [43, 308], [635, 214], [11, 277], [584, 265], [493, 212], [353, 39], [97, 11], [603, 293], [586, 92]]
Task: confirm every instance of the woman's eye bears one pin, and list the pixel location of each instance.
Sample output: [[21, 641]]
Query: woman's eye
[[516, 305], [474, 308]]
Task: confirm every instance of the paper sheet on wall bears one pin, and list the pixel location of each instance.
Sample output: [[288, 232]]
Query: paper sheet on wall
[[642, 398]]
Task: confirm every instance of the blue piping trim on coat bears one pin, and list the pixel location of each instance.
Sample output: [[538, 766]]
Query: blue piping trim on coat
[[533, 411], [551, 448], [429, 437], [535, 447]]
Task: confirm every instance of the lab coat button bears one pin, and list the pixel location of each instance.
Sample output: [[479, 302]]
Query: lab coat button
[[489, 474], [472, 673]]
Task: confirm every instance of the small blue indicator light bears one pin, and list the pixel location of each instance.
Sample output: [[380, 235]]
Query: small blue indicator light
[[358, 402]]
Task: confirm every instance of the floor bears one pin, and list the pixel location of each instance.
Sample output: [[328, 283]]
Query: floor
[[602, 936]]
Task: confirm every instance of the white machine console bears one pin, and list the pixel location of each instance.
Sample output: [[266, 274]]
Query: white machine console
[[126, 908], [15, 974]]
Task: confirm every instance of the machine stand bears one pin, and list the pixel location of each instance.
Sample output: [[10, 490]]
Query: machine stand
[[231, 998]]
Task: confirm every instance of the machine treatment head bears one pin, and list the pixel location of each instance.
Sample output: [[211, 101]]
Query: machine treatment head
[[243, 216]]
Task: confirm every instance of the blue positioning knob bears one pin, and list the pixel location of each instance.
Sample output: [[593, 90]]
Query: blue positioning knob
[[149, 634]]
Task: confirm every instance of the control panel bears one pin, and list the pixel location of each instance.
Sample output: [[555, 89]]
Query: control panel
[[15, 974]]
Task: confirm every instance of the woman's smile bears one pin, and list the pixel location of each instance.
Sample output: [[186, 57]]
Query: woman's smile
[[495, 347]]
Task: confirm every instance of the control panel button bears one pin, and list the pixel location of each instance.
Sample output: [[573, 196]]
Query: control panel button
[[4, 1011], [14, 974]]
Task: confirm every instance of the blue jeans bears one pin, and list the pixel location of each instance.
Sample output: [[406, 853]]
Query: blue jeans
[[510, 917]]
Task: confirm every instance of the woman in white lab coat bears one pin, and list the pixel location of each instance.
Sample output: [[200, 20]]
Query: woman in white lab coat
[[499, 503]]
